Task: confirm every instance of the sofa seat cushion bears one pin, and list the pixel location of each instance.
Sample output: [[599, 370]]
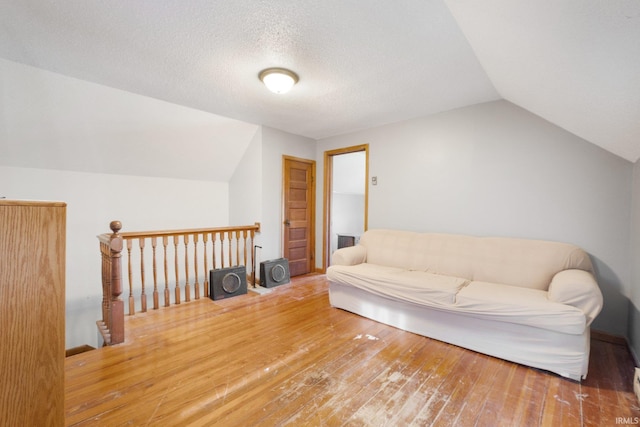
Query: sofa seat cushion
[[523, 306], [415, 286]]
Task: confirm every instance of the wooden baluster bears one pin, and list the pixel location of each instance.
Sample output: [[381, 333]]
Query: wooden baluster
[[177, 290], [156, 303], [105, 256], [214, 237], [244, 248], [167, 295], [132, 301], [187, 285], [205, 238], [230, 236], [222, 250], [196, 285], [253, 242], [116, 315], [143, 295], [238, 248]]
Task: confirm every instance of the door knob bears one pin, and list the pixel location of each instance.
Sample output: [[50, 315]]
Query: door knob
[[287, 222]]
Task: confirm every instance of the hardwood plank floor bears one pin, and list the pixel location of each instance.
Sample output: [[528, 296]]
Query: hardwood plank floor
[[288, 358]]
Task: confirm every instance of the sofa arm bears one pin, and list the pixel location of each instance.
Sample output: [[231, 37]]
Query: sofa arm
[[351, 255], [579, 289]]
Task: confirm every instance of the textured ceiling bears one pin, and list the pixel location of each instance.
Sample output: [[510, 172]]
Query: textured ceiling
[[575, 63]]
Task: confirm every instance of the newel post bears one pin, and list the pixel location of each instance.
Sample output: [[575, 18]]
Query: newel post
[[116, 304]]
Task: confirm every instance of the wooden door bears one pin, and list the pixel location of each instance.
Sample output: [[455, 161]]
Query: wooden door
[[299, 191]]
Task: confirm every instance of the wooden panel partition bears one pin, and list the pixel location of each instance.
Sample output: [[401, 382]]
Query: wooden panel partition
[[174, 264], [32, 324]]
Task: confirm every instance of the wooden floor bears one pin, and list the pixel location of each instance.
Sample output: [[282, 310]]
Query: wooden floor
[[288, 358]]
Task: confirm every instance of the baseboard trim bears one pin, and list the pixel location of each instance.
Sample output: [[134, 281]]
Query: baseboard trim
[[607, 337], [77, 350], [617, 340]]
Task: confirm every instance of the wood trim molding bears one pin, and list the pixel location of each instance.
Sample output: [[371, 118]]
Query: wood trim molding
[[328, 171]]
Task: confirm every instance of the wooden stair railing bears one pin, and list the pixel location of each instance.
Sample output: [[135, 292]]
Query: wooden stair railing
[[185, 261]]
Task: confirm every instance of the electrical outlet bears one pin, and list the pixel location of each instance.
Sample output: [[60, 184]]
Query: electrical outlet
[[636, 384], [374, 180]]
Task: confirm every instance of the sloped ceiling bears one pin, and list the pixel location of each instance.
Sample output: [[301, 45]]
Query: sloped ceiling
[[51, 121], [361, 64], [575, 63]]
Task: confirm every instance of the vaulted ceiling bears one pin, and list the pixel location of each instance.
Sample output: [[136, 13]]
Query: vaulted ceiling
[[575, 63]]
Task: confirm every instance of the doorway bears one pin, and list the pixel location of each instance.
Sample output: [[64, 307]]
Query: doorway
[[299, 214], [346, 172]]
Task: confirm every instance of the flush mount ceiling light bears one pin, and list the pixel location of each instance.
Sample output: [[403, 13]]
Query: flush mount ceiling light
[[278, 80]]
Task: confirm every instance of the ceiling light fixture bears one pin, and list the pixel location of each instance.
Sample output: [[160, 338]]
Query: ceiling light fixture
[[278, 80]]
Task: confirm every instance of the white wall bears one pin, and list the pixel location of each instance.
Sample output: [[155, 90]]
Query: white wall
[[495, 169], [347, 212], [111, 154], [634, 302], [245, 194], [275, 144], [93, 201], [245, 186], [348, 195], [349, 172]]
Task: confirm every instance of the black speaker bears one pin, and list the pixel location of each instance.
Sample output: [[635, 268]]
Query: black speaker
[[274, 272], [227, 282]]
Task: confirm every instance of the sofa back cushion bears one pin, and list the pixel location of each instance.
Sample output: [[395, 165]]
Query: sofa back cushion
[[518, 262], [525, 263], [447, 254]]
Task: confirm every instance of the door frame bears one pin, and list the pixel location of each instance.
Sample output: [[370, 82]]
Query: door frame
[[328, 186], [312, 207]]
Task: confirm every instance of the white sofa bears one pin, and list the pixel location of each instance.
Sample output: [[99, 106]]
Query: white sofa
[[527, 301]]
